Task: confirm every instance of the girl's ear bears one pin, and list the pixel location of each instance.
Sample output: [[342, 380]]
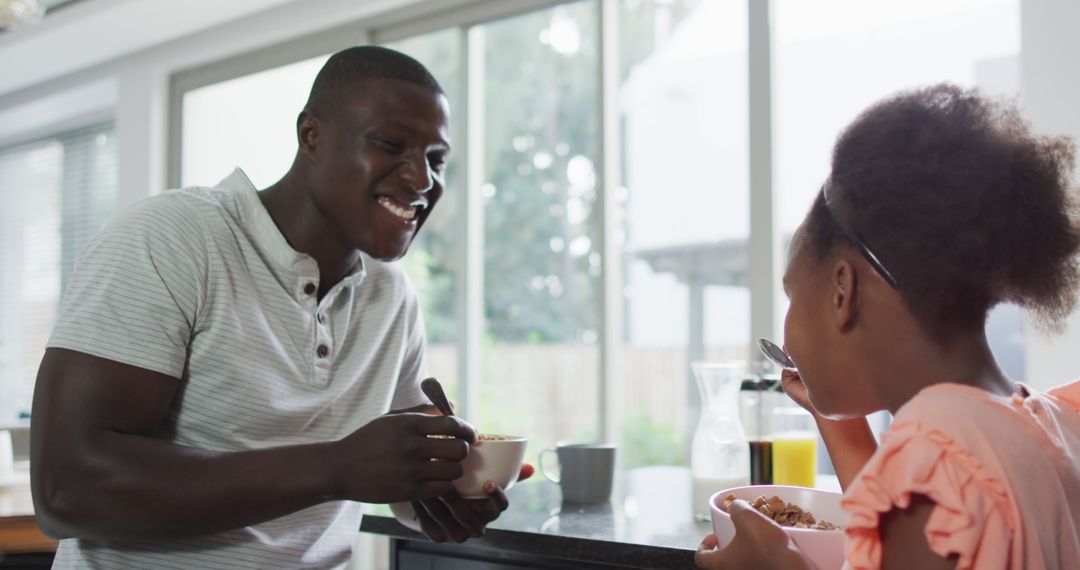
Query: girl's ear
[[845, 289]]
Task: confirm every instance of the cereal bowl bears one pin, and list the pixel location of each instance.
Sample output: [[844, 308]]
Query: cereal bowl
[[495, 458], [825, 548]]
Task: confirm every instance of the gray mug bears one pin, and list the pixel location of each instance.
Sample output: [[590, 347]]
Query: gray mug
[[586, 471]]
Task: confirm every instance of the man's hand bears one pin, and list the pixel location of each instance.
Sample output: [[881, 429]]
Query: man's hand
[[450, 517], [759, 543], [392, 458]]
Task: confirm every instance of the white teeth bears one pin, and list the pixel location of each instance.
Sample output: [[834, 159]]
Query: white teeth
[[405, 213]]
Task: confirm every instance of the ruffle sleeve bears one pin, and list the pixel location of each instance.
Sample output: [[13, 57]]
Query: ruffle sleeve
[[973, 515], [1069, 394]]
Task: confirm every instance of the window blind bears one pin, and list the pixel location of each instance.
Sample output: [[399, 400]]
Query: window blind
[[56, 194]]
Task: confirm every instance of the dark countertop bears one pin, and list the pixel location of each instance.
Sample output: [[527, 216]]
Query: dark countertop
[[647, 524]]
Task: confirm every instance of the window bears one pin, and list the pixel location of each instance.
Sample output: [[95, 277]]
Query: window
[[822, 83], [435, 258], [685, 211], [247, 122], [541, 271], [510, 266], [57, 194]]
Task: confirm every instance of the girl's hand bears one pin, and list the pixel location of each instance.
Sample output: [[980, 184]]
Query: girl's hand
[[796, 390], [759, 543]]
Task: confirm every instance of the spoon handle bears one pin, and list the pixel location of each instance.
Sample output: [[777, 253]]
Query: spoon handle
[[433, 390]]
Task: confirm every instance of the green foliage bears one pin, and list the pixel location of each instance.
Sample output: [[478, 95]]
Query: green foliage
[[541, 105], [541, 119], [434, 284], [541, 112]]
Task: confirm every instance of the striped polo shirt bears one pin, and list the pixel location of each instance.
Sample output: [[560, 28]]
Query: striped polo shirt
[[200, 284]]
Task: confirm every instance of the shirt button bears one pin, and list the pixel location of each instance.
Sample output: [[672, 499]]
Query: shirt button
[[322, 351], [309, 289]]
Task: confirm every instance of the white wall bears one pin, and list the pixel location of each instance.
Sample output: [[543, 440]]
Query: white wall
[[1051, 88]]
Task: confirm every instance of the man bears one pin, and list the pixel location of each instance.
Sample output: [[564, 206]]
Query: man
[[215, 392]]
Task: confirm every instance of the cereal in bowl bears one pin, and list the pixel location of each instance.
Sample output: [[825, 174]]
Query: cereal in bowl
[[784, 514]]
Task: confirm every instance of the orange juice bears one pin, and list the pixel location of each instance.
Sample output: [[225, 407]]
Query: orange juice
[[794, 459]]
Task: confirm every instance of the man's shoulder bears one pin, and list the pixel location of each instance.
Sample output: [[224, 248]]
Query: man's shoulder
[[176, 211], [181, 201], [175, 222]]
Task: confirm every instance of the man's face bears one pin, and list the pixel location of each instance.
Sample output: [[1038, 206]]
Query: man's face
[[377, 164]]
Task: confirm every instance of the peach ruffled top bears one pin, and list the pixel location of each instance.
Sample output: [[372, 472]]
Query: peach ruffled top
[[1004, 474]]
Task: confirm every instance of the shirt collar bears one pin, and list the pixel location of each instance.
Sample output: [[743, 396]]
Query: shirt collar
[[269, 239]]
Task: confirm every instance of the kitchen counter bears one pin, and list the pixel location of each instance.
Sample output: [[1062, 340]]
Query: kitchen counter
[[648, 524], [22, 544]]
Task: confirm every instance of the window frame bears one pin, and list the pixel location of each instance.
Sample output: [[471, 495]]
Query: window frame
[[467, 16]]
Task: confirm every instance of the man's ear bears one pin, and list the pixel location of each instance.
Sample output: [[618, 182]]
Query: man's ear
[[307, 132], [844, 284]]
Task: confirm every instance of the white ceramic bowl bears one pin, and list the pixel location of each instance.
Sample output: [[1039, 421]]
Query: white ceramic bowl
[[825, 548], [497, 460]]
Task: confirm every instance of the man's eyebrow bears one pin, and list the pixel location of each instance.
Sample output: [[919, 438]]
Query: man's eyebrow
[[398, 124], [409, 129]]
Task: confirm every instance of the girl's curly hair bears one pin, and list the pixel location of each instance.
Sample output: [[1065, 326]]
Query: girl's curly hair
[[963, 204]]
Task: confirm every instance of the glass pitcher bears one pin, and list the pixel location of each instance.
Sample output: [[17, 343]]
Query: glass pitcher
[[719, 453]]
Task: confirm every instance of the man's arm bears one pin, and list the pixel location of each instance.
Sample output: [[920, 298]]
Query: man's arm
[[101, 470]]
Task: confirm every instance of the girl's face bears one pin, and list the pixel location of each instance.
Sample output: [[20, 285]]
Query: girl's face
[[815, 338]]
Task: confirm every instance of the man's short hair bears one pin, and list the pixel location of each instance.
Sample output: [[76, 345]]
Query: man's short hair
[[345, 72]]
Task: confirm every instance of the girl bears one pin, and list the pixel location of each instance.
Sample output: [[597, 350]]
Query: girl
[[940, 205]]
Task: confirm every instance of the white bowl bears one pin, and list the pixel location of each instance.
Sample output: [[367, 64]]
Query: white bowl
[[825, 548], [497, 460]]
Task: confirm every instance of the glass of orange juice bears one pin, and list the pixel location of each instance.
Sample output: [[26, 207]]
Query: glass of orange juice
[[794, 448]]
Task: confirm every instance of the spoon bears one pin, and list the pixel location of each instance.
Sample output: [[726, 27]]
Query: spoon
[[773, 352], [433, 390]]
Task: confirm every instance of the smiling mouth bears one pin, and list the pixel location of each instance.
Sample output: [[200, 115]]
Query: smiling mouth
[[404, 212]]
